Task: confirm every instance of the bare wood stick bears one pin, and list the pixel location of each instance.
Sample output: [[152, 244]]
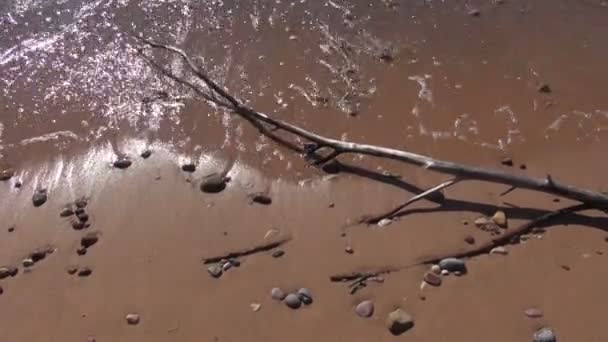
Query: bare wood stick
[[377, 218], [245, 252], [547, 185]]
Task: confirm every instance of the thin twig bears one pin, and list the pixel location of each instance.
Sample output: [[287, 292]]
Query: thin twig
[[253, 250]]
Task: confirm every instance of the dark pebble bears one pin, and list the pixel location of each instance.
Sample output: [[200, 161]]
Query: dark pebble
[[566, 267], [18, 185], [81, 203], [83, 217], [85, 272], [331, 167], [146, 154], [77, 225], [305, 296], [122, 163], [89, 240], [293, 301], [39, 254], [331, 205], [469, 239], [81, 251], [11, 229], [66, 212], [72, 270], [278, 254], [544, 88], [349, 250], [214, 184], [556, 200], [507, 161], [1, 290], [606, 239], [6, 174], [189, 168], [523, 167], [39, 197], [261, 198], [235, 262], [79, 211], [474, 13]]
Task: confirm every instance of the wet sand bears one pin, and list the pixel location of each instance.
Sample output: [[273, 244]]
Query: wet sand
[[75, 98]]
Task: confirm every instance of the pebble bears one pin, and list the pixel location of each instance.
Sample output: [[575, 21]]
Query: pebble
[[122, 163], [384, 222], [278, 254], [214, 184], [506, 161], [432, 279], [499, 250], [1, 290], [79, 211], [85, 272], [500, 218], [566, 267], [469, 239], [292, 300], [481, 222], [11, 229], [277, 294], [534, 313], [39, 197], [72, 270], [146, 154], [189, 168], [445, 272], [544, 88], [545, 335], [349, 250], [77, 225], [365, 309], [399, 322], [261, 198], [28, 262], [305, 295], [215, 271], [89, 240], [5, 272], [436, 269], [255, 307], [66, 212], [453, 265], [6, 174], [474, 13], [332, 167], [83, 218], [226, 266], [133, 319], [81, 203], [40, 253]]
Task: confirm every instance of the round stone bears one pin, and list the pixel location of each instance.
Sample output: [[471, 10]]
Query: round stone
[[399, 322], [500, 218], [122, 163], [189, 168], [349, 250], [453, 265], [28, 262], [89, 240], [277, 294], [436, 269], [133, 319], [365, 309], [214, 184], [432, 279], [39, 197], [146, 154], [305, 296], [261, 198], [292, 300], [85, 272], [534, 313], [469, 239], [545, 335]]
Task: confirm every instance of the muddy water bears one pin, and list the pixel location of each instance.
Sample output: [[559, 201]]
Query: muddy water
[[428, 76]]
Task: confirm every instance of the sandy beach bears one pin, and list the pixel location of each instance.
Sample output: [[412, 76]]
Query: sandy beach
[[107, 235]]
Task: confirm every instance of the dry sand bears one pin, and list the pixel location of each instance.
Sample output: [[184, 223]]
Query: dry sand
[[459, 87]]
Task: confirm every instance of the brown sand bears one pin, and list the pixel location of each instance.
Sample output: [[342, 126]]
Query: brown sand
[[155, 226]]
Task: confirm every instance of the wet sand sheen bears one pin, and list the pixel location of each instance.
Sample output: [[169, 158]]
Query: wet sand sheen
[[476, 97]]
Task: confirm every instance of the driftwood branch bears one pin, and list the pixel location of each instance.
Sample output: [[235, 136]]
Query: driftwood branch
[[245, 252], [463, 172]]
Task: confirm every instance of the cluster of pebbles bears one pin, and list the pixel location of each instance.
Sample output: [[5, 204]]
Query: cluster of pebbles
[[445, 267], [216, 270], [293, 300], [77, 211]]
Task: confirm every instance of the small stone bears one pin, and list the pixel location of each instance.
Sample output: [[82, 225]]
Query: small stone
[[534, 313], [83, 217], [11, 229], [6, 174], [365, 309], [85, 272], [215, 271], [422, 297], [445, 272], [255, 307], [436, 269], [277, 294], [77, 225], [457, 273], [79, 211], [6, 271], [40, 253], [122, 163], [474, 12], [500, 218], [545, 335], [214, 184], [18, 185], [331, 205], [226, 266], [133, 319], [465, 222], [189, 168], [432, 279], [469, 239], [278, 254], [293, 37], [481, 222], [72, 270], [66, 212], [91, 339], [28, 262], [261, 198], [305, 296], [332, 167], [523, 167], [565, 267], [384, 222], [506, 161], [499, 250], [453, 265], [399, 322], [1, 290], [349, 250], [146, 154], [81, 203], [89, 240], [544, 88], [39, 197], [292, 300]]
